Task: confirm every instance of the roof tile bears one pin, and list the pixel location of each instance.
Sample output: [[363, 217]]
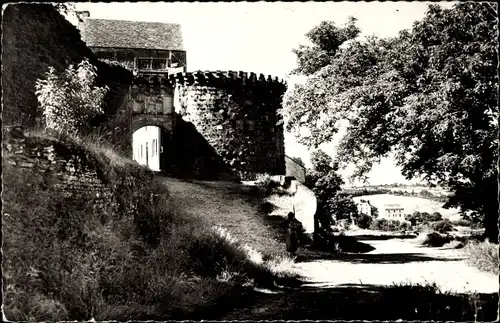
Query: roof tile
[[131, 34]]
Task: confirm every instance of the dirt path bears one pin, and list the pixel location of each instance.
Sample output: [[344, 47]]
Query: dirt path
[[360, 287], [400, 261]]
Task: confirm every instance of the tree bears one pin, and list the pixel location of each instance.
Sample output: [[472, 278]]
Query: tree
[[326, 39], [70, 100], [341, 206], [435, 216], [427, 96], [364, 221], [321, 161], [374, 211]]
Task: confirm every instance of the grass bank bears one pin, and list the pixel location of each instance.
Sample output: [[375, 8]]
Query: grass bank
[[66, 260]]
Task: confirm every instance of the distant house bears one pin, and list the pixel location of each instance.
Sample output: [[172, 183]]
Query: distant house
[[394, 212], [151, 47], [364, 207]]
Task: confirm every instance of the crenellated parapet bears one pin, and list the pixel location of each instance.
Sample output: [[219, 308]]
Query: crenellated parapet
[[236, 114], [208, 78]]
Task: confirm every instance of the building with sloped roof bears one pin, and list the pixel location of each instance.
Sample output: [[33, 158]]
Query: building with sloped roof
[[210, 125], [137, 45]]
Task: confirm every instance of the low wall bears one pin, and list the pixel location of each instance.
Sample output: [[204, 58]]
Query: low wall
[[72, 171]]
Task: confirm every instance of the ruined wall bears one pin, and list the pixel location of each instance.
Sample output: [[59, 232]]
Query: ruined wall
[[72, 171], [237, 115]]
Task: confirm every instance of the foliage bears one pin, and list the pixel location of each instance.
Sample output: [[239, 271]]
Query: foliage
[[435, 216], [443, 226], [64, 8], [325, 182], [436, 239], [388, 225], [342, 207], [415, 218], [483, 255], [364, 221], [70, 100], [65, 259], [326, 40], [321, 161], [428, 96]]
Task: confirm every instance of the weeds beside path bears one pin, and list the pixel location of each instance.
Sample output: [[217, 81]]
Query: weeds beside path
[[368, 302]]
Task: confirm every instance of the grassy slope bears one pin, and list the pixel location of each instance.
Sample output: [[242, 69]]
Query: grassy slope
[[229, 205], [78, 263]]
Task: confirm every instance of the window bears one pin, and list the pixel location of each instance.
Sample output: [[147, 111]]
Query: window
[[159, 64], [151, 63], [144, 63]]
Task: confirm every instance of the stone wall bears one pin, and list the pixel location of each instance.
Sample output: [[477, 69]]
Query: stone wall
[[34, 37], [295, 169], [71, 171], [237, 115]]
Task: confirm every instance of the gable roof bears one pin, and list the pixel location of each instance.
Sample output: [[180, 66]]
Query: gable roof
[[131, 34]]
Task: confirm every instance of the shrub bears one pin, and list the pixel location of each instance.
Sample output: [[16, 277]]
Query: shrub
[[436, 216], [364, 221], [443, 226], [266, 183], [65, 259], [69, 101], [435, 239], [388, 225], [462, 222], [483, 255]]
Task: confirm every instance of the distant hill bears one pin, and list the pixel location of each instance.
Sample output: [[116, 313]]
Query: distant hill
[[433, 193]]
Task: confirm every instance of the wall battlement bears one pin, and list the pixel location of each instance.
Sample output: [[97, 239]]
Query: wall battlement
[[207, 78]]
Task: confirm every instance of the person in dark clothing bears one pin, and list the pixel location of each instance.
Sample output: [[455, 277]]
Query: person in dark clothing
[[293, 230]]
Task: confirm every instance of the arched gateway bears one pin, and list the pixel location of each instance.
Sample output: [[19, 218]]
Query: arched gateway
[[216, 122]]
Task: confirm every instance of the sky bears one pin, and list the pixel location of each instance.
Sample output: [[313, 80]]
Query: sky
[[259, 37]]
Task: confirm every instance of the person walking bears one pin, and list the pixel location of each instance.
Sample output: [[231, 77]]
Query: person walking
[[292, 233]]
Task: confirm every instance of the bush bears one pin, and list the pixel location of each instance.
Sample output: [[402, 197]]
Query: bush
[[388, 225], [436, 216], [65, 259], [435, 239], [443, 226], [462, 223], [266, 183], [364, 221], [70, 100], [483, 255]]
